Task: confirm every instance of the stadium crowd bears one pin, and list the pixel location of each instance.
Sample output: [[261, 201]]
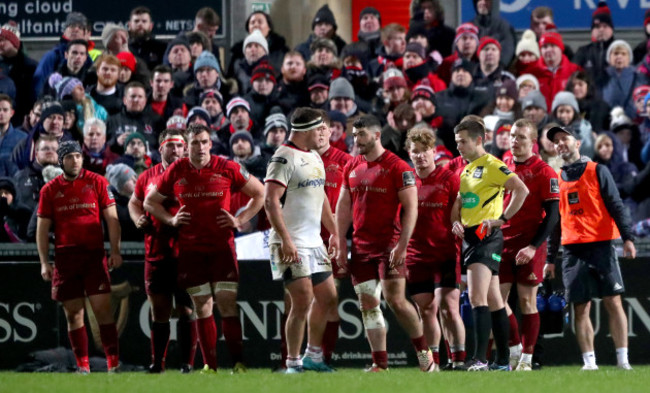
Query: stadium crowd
[[121, 99]]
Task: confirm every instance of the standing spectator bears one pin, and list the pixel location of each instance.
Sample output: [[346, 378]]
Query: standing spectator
[[14, 217], [465, 45], [393, 39], [292, 88], [207, 74], [212, 102], [29, 180], [180, 61], [322, 26], [496, 27], [594, 57], [490, 73], [161, 101], [370, 30], [263, 95], [566, 111], [106, 92], [142, 42], [9, 136], [439, 35], [622, 78], [256, 51], [96, 153], [592, 108]]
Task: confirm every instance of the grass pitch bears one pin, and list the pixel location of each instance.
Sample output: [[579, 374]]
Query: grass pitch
[[397, 380]]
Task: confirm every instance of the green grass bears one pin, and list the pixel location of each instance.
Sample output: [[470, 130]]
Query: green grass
[[399, 380]]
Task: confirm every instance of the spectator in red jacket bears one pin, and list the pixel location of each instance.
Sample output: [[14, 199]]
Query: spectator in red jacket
[[418, 69], [465, 45]]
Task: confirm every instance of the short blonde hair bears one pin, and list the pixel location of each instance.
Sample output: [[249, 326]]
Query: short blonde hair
[[420, 134]]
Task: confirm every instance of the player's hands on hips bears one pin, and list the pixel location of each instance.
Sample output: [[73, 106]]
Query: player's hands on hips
[[397, 256], [115, 260], [47, 271], [549, 271], [525, 255], [289, 253], [333, 248], [181, 218], [629, 251], [458, 229], [227, 220], [143, 222]]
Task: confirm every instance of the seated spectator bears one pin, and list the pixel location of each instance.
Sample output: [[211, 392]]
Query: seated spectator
[[641, 50], [324, 59], [197, 115], [592, 108], [238, 112], [127, 69], [292, 87], [34, 115], [644, 128], [355, 70], [256, 52], [500, 144], [122, 178], [14, 217], [212, 102], [370, 30], [423, 101], [161, 100], [494, 26], [525, 84], [628, 135], [276, 130], [262, 96], [608, 152], [19, 67], [199, 43], [142, 43], [393, 39], [318, 88], [96, 154], [29, 180], [535, 110], [106, 92], [49, 173], [506, 105], [395, 91], [180, 61], [418, 68], [135, 153], [417, 33], [342, 98], [208, 76], [393, 134], [176, 122], [490, 73], [136, 116], [277, 45], [9, 136], [465, 45], [246, 153], [116, 40], [622, 78], [323, 26], [593, 57], [439, 35], [71, 89], [526, 52], [75, 66], [338, 135], [566, 112]]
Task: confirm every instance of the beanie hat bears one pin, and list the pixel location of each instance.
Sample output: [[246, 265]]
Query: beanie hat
[[341, 87], [527, 77], [424, 91], [466, 28], [263, 70], [67, 147], [109, 30], [646, 17], [75, 18], [237, 102], [504, 128], [371, 11], [640, 92], [358, 50], [619, 43], [464, 64], [275, 120], [200, 112], [528, 43], [337, 117], [619, 119], [508, 88], [132, 136], [565, 98], [324, 14], [64, 86], [416, 28], [9, 31], [258, 38], [176, 122], [127, 59], [602, 14], [211, 93], [118, 175], [393, 77], [553, 39], [6, 183], [180, 40], [487, 40], [551, 27], [323, 43], [51, 108], [241, 135], [534, 99], [318, 81], [416, 48], [206, 59]]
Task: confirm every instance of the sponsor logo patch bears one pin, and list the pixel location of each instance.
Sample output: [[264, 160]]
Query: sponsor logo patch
[[470, 200], [573, 198], [555, 187], [496, 257], [279, 160], [505, 170], [408, 179], [478, 172]]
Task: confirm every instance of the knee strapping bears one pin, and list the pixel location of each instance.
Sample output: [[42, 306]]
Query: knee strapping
[[372, 317]]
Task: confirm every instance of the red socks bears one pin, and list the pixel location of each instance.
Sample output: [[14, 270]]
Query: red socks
[[420, 343], [207, 331], [514, 338], [110, 342], [79, 343], [231, 327], [329, 340], [529, 331], [380, 358]]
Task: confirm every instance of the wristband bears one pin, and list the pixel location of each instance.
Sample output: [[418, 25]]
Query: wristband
[[503, 218]]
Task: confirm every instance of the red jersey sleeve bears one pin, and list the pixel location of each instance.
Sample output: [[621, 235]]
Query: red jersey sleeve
[[346, 174], [45, 203], [165, 185], [454, 187], [139, 190], [403, 175], [550, 187], [104, 196]]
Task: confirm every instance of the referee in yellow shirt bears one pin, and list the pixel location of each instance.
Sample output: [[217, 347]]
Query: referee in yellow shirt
[[477, 216]]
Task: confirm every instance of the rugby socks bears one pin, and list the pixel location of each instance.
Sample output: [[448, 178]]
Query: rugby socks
[[315, 353], [187, 340], [482, 326], [514, 339], [231, 327], [589, 358], [500, 327], [283, 338], [293, 362], [621, 356], [529, 332], [329, 340], [207, 331], [435, 351], [420, 343], [159, 342], [79, 344], [380, 358], [458, 353], [110, 342]]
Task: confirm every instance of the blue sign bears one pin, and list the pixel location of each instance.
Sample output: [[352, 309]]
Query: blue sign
[[567, 14]]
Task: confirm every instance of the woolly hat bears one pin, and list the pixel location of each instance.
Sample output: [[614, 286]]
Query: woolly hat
[[64, 86], [323, 43], [337, 117], [118, 175], [358, 49], [9, 31], [416, 48], [619, 43], [424, 91], [324, 15], [466, 28], [109, 30], [341, 87], [207, 59], [211, 93], [66, 148], [553, 39], [6, 183], [200, 112], [180, 40], [602, 14], [505, 127], [619, 119], [318, 81], [263, 70], [487, 40], [51, 108], [528, 43], [464, 64], [132, 136], [527, 77], [237, 102], [565, 98], [257, 37], [127, 59], [416, 28], [534, 99], [176, 122], [241, 135], [393, 77], [76, 18], [508, 88], [275, 120], [371, 11]]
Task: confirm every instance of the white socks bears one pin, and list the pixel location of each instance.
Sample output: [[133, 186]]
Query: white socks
[[589, 358], [621, 356]]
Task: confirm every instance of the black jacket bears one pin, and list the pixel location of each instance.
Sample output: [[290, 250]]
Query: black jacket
[[149, 49], [293, 95], [499, 29], [593, 59], [29, 182], [112, 103], [147, 122], [20, 69], [277, 49]]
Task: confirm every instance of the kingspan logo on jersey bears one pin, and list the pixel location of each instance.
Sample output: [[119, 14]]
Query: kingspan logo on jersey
[[312, 183]]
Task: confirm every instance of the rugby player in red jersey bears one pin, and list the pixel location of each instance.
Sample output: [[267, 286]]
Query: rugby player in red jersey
[[525, 234], [375, 185], [207, 264], [432, 265], [161, 261], [74, 203]]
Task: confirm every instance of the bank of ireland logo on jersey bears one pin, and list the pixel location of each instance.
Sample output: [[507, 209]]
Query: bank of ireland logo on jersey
[[470, 200]]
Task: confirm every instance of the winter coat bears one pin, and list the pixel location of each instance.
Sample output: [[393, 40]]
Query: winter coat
[[292, 95], [593, 59], [49, 63], [277, 49], [498, 28], [147, 122], [28, 182], [303, 47], [20, 69], [618, 89], [552, 82], [149, 49]]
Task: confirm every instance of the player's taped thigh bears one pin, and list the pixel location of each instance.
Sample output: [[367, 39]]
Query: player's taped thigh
[[373, 318], [200, 290], [230, 286]]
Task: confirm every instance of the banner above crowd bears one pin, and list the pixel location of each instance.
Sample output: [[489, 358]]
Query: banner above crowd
[[43, 18]]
